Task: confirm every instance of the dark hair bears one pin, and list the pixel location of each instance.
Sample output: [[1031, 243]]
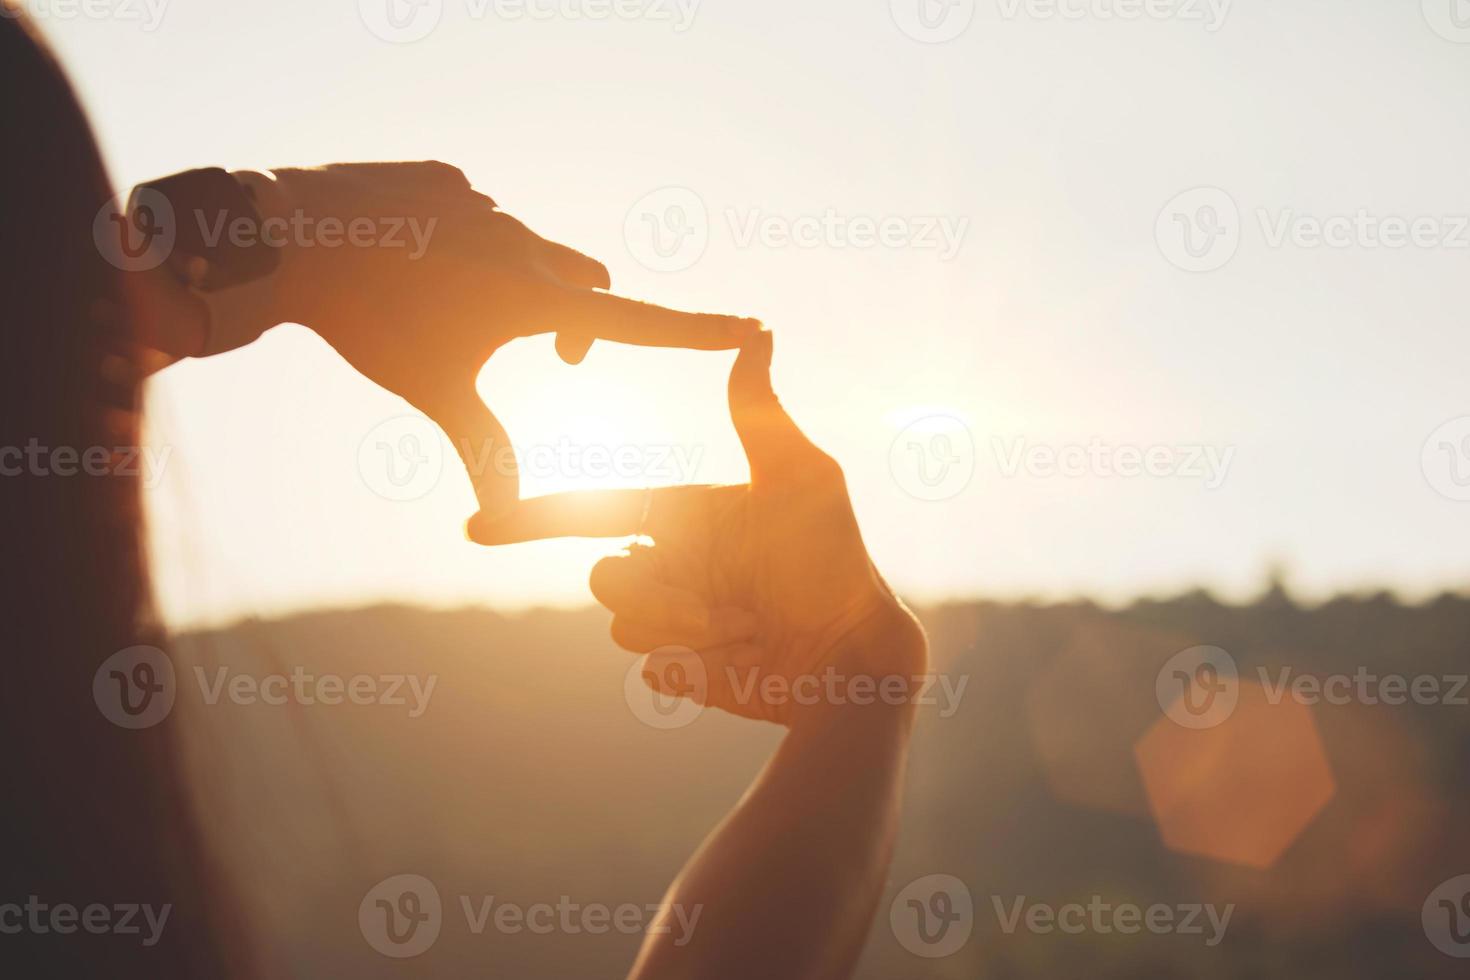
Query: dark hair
[[95, 814]]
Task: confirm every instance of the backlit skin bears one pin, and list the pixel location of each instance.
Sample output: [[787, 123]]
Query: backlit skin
[[767, 582], [770, 578], [421, 318]]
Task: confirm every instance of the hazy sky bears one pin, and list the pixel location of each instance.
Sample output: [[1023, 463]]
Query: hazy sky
[[988, 229]]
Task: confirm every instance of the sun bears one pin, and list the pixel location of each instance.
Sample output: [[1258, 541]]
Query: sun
[[625, 418]]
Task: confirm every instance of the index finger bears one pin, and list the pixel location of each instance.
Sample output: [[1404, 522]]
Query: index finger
[[605, 316], [580, 514]]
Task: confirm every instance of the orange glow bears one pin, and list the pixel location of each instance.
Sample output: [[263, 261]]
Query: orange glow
[[1241, 791]]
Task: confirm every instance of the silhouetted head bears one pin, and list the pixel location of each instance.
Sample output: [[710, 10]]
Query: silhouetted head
[[95, 814]]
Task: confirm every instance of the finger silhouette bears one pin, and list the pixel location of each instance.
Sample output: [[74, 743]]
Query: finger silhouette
[[604, 316], [581, 271], [483, 447], [629, 586], [773, 443], [704, 676], [726, 626], [580, 514], [649, 613], [572, 267]]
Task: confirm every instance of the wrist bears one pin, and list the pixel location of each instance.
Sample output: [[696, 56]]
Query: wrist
[[876, 669], [275, 206]]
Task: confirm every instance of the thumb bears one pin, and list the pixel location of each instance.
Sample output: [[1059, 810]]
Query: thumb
[[485, 450], [771, 439]]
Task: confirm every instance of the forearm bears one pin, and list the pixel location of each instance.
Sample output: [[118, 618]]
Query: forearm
[[786, 886]]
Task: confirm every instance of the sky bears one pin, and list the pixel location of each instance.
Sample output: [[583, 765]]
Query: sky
[[1089, 297]]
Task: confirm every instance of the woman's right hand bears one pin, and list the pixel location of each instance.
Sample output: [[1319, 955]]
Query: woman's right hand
[[768, 582]]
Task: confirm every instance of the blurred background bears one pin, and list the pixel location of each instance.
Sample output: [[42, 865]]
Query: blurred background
[[1137, 327]]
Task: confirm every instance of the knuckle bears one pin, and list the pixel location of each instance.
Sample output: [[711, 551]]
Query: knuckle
[[446, 171], [603, 578], [629, 636], [822, 472]]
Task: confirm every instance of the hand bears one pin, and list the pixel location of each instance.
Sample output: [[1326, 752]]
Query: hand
[[436, 280], [769, 579]]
